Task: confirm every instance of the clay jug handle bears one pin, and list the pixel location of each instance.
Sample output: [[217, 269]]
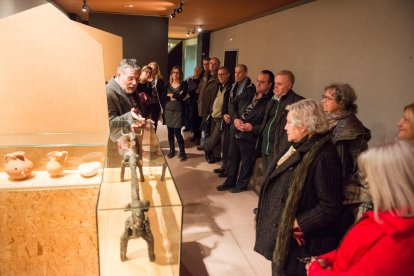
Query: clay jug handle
[[9, 156], [13, 156], [65, 156]]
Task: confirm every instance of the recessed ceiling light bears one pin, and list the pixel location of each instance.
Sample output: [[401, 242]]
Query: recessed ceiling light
[[128, 6]]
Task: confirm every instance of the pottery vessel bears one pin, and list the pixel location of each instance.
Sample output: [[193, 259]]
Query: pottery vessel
[[89, 169], [57, 160], [17, 166]]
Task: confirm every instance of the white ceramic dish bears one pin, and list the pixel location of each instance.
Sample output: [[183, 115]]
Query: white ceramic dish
[[89, 169]]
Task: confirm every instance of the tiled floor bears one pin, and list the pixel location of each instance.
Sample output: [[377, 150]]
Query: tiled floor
[[218, 231]]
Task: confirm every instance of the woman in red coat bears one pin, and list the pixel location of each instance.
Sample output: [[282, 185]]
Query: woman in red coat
[[382, 242]]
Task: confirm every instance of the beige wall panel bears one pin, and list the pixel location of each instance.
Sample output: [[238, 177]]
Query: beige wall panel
[[112, 48], [51, 75], [49, 232], [368, 44]]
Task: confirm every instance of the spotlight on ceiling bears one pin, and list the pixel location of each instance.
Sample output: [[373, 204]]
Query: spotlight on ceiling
[[199, 29], [188, 33], [180, 8], [172, 15], [84, 6]]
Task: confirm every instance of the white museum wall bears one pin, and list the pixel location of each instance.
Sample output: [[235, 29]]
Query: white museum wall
[[368, 44]]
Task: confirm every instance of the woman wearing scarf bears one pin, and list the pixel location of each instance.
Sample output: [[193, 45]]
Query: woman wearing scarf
[[301, 198], [350, 138]]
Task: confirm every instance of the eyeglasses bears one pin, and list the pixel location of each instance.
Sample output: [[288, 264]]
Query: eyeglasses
[[326, 98], [175, 72]]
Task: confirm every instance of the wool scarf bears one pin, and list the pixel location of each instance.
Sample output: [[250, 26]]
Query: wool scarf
[[284, 232], [337, 121]]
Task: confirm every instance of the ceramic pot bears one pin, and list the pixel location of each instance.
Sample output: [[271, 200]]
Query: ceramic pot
[[89, 169], [57, 160], [17, 166]]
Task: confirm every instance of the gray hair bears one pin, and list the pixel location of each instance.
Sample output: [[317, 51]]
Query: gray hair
[[345, 96], [390, 174], [128, 63], [243, 66], [288, 74], [308, 114]]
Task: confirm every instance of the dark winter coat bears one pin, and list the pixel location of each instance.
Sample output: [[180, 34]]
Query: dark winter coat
[[318, 209], [255, 117], [229, 109], [206, 92], [281, 143], [349, 142]]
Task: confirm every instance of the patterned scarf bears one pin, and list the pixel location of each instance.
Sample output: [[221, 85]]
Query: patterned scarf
[[337, 121], [250, 107]]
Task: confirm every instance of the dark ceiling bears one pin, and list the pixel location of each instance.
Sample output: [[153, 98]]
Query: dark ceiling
[[211, 15]]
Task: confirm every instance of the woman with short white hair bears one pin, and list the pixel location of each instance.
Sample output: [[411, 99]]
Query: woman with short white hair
[[382, 242], [301, 198]]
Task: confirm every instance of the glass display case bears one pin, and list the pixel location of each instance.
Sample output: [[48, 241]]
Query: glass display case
[[51, 161], [49, 186], [139, 209]]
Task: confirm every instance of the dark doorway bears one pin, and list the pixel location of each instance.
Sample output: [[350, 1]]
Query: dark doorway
[[230, 61]]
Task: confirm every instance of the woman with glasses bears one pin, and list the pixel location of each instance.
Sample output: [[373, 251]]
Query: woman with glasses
[[382, 242], [406, 124], [176, 91], [350, 138]]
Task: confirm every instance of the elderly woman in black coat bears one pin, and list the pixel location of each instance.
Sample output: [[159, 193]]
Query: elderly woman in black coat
[[301, 198]]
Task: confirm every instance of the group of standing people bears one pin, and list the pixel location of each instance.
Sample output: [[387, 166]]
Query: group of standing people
[[136, 95], [315, 192], [320, 177]]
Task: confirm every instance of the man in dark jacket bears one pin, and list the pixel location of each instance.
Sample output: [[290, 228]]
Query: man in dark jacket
[[249, 110], [273, 138], [241, 84]]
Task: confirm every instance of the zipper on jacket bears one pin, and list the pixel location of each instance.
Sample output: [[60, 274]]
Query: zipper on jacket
[[270, 127]]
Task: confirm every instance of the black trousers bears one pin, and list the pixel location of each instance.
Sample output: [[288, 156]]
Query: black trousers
[[177, 133], [197, 126], [213, 147], [192, 102], [185, 107], [225, 143], [240, 151]]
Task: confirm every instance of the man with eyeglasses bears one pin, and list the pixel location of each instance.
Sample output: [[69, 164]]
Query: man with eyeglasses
[[217, 128]]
